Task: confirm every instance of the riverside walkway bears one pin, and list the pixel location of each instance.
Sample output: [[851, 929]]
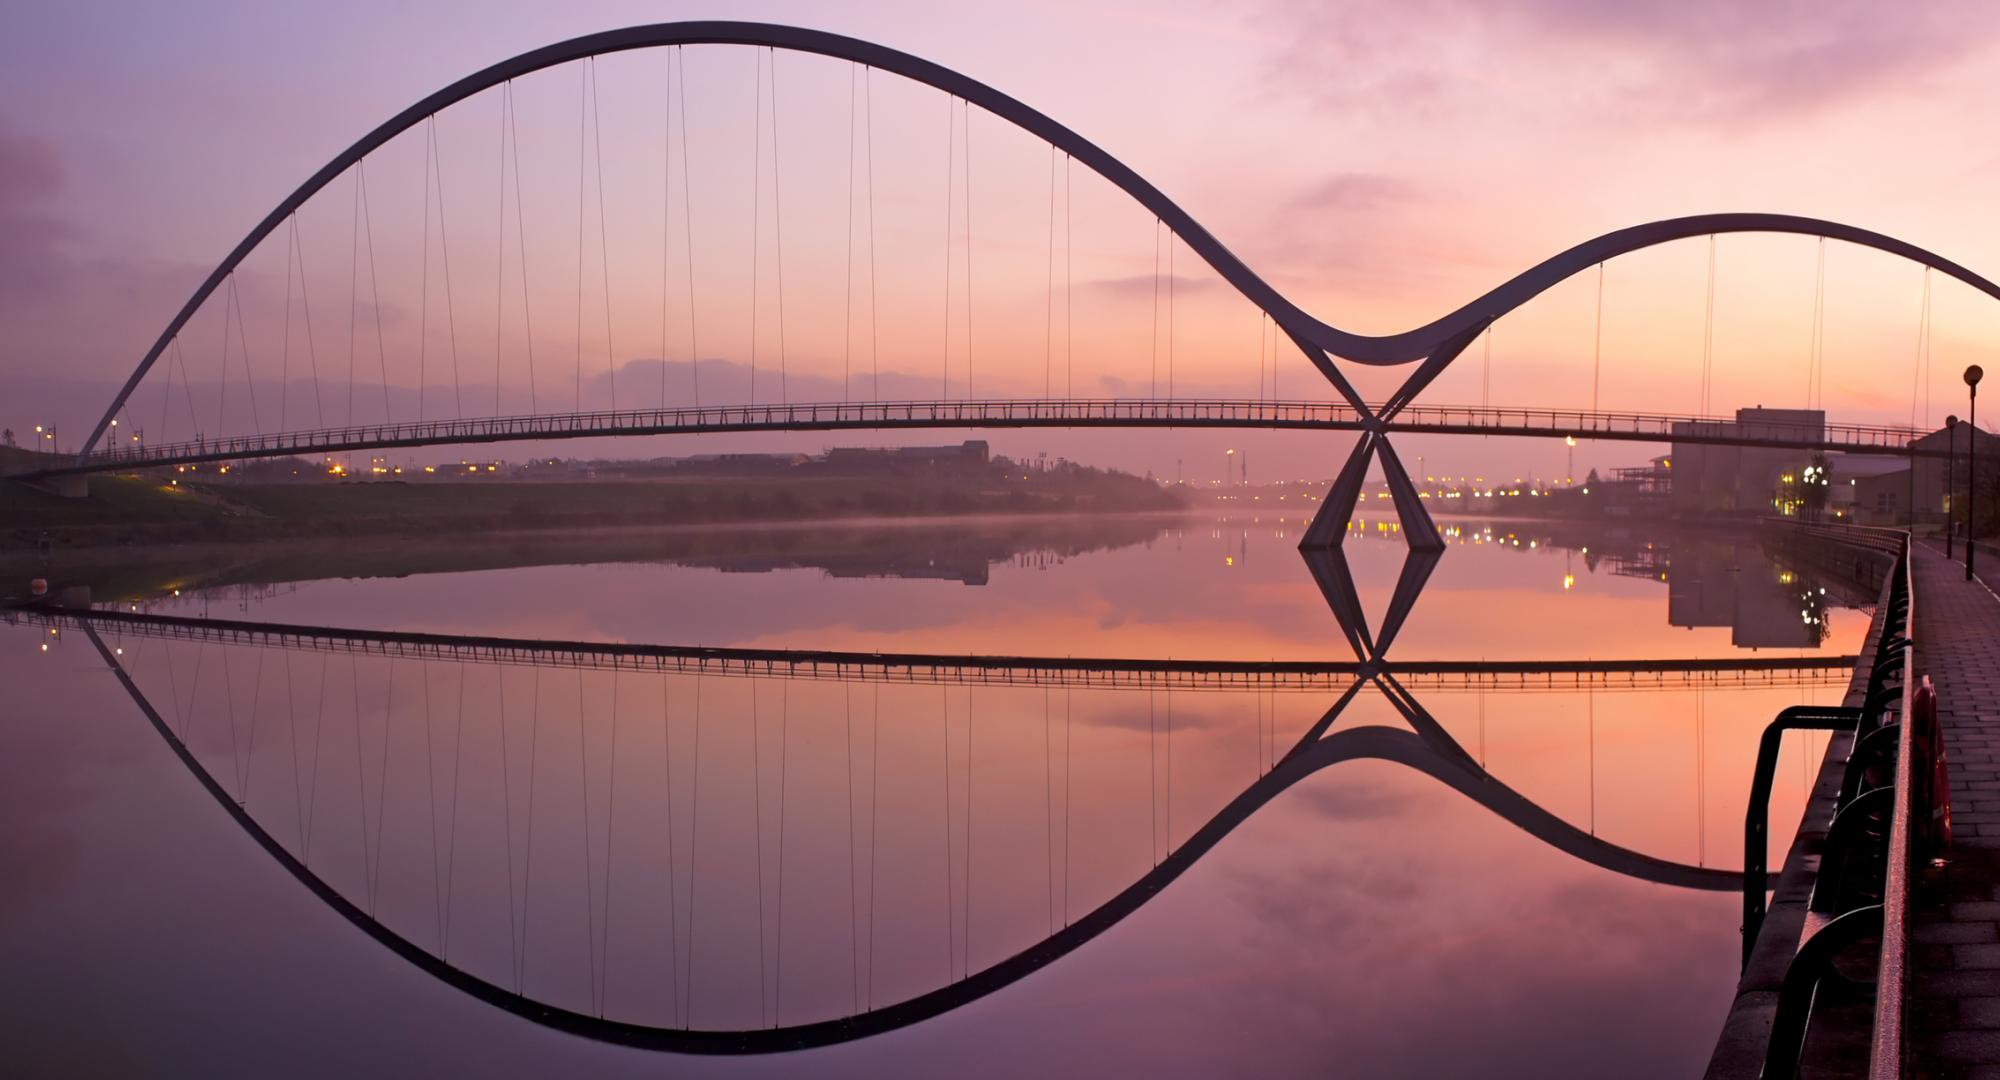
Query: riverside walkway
[[1954, 1005]]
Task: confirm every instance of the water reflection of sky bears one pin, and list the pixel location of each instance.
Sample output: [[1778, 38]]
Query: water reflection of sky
[[1369, 921], [1220, 591]]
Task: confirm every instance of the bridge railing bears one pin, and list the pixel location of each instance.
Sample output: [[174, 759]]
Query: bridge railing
[[1664, 427], [847, 666], [726, 417], [1862, 833]]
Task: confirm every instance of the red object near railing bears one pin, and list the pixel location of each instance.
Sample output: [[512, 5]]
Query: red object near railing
[[1932, 797]]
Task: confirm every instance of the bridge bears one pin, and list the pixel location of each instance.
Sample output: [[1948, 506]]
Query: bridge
[[1029, 340], [1026, 413]]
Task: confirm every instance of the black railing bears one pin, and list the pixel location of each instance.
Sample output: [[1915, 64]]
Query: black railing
[[1859, 890], [996, 412]]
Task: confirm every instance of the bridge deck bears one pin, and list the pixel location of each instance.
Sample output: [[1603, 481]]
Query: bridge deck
[[1955, 929], [999, 413]]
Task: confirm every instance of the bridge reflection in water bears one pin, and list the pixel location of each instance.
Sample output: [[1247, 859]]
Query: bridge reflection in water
[[738, 851]]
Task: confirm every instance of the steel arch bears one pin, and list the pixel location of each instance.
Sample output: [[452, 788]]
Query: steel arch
[[1316, 338]]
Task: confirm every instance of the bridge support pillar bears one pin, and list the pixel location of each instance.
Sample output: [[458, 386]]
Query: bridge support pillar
[[1329, 525]]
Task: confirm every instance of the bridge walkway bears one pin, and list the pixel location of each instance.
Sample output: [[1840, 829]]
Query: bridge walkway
[[1954, 1007]]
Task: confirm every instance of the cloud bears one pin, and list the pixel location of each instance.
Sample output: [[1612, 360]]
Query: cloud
[[31, 238], [1353, 192], [1145, 285], [1708, 61]]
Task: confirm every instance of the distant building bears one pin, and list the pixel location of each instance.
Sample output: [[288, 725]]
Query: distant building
[[971, 455], [1711, 479], [1884, 496], [1868, 489]]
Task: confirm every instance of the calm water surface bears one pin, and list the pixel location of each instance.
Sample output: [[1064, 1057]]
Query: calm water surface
[[753, 853]]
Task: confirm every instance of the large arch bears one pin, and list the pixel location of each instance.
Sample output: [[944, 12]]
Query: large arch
[[1315, 337], [791, 38], [1431, 757]]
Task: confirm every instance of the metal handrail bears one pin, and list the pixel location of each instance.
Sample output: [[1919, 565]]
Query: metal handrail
[[1894, 662], [1886, 1050], [1756, 819]]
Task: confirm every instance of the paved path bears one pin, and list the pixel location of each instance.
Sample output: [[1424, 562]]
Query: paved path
[[1955, 1003]]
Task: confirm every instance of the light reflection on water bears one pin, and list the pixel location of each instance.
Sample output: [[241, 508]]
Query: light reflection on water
[[790, 850]]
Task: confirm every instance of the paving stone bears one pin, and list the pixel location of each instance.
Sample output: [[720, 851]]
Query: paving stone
[[1955, 1012]]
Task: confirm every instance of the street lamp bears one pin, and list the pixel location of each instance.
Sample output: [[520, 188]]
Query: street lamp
[[1972, 375], [1950, 475], [1228, 465]]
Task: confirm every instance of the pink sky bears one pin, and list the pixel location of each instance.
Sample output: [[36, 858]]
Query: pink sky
[[1379, 163]]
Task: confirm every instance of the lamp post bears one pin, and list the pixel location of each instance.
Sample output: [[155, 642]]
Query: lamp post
[[1228, 466], [1972, 375], [1950, 475]]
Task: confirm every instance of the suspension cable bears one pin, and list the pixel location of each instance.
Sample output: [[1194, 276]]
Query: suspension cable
[[778, 230], [521, 231], [966, 108], [604, 259], [847, 294], [874, 326], [500, 259], [1597, 345], [582, 126], [1917, 361], [1486, 370], [756, 256], [1263, 334], [950, 171], [423, 353], [1154, 322], [666, 249], [374, 287], [222, 384], [1816, 366], [1049, 302], [243, 340], [1708, 332], [444, 250], [285, 351], [687, 229], [353, 290]]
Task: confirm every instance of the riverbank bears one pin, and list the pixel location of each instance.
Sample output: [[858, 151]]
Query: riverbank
[[957, 548], [124, 511]]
